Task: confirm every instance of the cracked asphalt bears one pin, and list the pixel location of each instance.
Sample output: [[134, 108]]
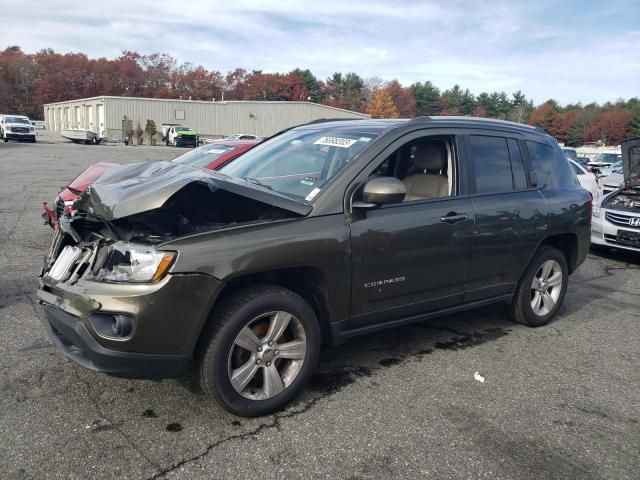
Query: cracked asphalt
[[562, 401]]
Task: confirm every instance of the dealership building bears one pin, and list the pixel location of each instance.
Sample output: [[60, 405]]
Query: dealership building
[[108, 115]]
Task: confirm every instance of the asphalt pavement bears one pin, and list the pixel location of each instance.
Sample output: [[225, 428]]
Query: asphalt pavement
[[561, 401]]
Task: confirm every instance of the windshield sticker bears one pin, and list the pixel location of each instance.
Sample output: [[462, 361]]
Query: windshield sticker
[[335, 142], [308, 181], [364, 139], [216, 150], [312, 194]]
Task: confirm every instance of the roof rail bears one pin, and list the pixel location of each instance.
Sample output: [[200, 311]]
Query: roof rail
[[486, 119], [313, 122], [323, 120], [421, 118]]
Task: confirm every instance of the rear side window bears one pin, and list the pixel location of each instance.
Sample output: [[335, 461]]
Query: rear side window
[[517, 165], [552, 168], [490, 157]]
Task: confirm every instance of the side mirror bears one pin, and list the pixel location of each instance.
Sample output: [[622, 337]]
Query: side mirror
[[381, 191]]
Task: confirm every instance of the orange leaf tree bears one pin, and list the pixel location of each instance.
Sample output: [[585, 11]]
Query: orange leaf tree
[[382, 106]]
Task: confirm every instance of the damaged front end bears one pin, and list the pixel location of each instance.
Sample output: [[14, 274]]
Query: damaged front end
[[627, 199], [616, 219], [119, 219], [112, 301]]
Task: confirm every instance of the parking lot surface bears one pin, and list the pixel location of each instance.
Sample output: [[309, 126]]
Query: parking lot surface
[[561, 401]]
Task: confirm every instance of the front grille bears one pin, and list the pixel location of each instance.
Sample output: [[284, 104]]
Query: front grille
[[20, 129], [621, 219], [59, 207], [626, 240]]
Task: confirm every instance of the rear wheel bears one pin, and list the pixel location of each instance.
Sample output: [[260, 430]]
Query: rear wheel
[[541, 289], [260, 351]]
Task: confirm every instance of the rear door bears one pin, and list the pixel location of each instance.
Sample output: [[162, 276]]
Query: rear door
[[511, 215]]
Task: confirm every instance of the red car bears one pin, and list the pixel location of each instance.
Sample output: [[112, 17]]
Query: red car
[[210, 156]]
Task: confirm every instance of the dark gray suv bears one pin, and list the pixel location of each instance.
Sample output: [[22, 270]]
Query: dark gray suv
[[323, 232]]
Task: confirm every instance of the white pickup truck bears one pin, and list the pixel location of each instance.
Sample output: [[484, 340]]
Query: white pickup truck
[[179, 135], [16, 127]]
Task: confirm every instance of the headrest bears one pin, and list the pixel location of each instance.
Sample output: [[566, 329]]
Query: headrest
[[430, 156]]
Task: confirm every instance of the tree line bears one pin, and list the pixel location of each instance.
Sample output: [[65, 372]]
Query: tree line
[[28, 81]]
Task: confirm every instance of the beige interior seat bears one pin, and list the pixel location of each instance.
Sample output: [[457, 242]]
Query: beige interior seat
[[428, 157]]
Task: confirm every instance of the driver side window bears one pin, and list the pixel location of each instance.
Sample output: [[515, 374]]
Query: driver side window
[[424, 165]]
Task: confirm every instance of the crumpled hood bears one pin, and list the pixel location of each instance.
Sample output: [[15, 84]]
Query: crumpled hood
[[631, 162], [140, 187]]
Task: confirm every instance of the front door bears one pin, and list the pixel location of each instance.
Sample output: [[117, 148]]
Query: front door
[[412, 257]]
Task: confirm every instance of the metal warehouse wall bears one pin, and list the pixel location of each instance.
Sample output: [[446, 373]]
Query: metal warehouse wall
[[219, 118], [215, 119]]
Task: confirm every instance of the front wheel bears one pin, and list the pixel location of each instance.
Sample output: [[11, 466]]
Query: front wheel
[[261, 348], [541, 289]]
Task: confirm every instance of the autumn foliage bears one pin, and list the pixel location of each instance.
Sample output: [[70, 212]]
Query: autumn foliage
[[382, 106], [28, 81]]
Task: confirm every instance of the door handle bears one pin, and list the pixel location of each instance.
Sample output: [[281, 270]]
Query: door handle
[[453, 217]]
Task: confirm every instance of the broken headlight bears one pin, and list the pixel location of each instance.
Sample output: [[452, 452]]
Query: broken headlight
[[131, 262]]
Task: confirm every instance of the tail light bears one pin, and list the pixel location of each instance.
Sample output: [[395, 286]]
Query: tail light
[[590, 205]]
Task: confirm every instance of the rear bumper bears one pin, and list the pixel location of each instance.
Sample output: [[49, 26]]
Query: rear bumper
[[70, 335]]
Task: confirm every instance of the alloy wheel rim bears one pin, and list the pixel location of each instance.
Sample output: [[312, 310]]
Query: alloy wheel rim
[[546, 287], [267, 355]]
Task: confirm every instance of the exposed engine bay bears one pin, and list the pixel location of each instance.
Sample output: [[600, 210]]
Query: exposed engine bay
[[626, 200], [193, 209]]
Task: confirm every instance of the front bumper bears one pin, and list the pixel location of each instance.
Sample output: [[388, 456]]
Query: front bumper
[[186, 141], [168, 317], [20, 136], [73, 338], [605, 233]]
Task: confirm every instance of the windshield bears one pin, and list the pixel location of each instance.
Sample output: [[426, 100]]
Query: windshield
[[204, 156], [183, 129], [299, 163], [17, 120], [608, 157]]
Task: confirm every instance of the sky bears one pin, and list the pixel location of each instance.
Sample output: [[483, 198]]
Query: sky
[[571, 51]]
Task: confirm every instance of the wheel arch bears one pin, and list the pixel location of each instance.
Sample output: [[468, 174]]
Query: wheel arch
[[308, 282], [567, 243]]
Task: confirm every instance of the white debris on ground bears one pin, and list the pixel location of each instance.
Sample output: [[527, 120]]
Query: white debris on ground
[[478, 377]]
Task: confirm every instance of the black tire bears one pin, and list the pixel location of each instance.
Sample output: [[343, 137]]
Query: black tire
[[235, 313], [520, 310]]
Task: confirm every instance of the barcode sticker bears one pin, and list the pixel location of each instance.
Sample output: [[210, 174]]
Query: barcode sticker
[[335, 142]]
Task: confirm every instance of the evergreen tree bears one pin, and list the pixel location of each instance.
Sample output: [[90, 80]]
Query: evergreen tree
[[310, 80], [426, 95]]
